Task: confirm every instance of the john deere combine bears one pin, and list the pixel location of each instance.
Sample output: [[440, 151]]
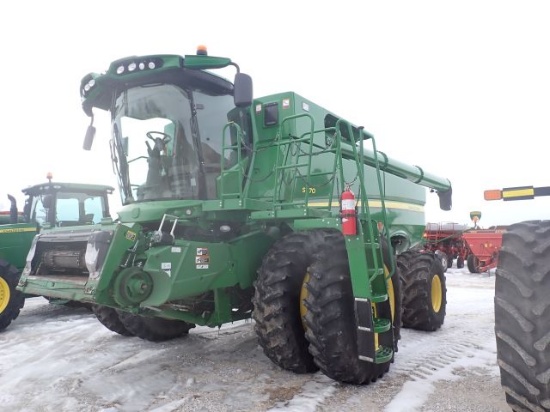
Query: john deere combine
[[48, 206], [270, 208]]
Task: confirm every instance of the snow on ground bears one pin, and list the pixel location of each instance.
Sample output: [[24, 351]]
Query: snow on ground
[[55, 358]]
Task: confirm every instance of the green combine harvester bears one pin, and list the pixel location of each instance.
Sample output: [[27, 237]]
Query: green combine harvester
[[236, 207], [48, 207]]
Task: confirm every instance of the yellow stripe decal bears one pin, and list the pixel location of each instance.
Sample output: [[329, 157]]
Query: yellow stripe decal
[[18, 230], [507, 194], [390, 204]]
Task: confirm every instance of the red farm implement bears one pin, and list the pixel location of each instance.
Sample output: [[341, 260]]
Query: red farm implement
[[445, 239], [484, 246]]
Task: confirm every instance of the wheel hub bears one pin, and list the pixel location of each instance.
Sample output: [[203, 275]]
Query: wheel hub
[[132, 286]]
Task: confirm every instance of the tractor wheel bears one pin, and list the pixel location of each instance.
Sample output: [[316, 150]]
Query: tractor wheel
[[473, 264], [522, 315], [109, 318], [424, 292], [330, 318], [444, 260], [278, 306], [152, 328], [11, 300], [459, 262]]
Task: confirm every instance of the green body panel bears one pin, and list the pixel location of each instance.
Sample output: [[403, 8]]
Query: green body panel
[[284, 162], [15, 240]]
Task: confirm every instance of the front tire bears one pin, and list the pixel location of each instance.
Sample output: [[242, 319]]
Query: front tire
[[152, 328], [11, 300], [522, 315], [109, 318], [330, 319], [424, 292], [277, 300]]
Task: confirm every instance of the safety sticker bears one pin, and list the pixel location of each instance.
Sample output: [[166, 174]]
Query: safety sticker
[[167, 267], [202, 258]]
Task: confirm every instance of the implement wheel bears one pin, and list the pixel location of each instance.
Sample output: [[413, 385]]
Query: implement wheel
[[459, 262], [473, 263], [330, 318], [11, 300], [522, 315], [444, 260], [109, 318], [278, 299], [152, 328], [424, 291]]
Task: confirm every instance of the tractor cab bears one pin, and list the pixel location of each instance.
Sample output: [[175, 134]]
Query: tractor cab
[[54, 204]]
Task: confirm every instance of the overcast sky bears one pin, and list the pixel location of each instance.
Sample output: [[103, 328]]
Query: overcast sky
[[461, 89]]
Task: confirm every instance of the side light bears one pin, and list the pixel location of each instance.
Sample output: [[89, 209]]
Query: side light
[[492, 194]]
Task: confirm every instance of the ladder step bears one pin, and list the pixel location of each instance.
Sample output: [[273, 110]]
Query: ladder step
[[383, 354], [381, 325], [380, 297]]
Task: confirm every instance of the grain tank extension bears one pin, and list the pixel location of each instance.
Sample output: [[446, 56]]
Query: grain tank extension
[[232, 210]]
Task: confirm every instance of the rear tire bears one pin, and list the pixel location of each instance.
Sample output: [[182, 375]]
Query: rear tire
[[109, 318], [11, 300], [152, 328], [330, 318], [424, 291], [277, 301], [522, 315]]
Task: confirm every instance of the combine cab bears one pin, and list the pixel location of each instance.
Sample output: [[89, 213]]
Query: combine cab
[[48, 207], [238, 208], [522, 306]]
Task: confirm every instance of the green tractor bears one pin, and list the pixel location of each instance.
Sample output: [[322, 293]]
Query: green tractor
[[522, 306], [48, 206], [272, 208]]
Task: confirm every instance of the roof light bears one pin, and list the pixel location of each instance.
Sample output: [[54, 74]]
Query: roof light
[[201, 50], [120, 70], [132, 66]]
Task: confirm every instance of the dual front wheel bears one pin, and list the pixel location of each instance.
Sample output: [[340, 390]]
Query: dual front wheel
[[304, 305], [304, 308]]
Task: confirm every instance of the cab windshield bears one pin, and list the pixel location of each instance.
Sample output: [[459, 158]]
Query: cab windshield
[[167, 142]]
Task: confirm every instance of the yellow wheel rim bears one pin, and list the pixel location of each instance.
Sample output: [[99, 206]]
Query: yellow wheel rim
[[4, 295], [303, 295], [437, 293], [391, 297]]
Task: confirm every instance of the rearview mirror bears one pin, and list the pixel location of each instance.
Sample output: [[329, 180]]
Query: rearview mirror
[[89, 138], [242, 93]]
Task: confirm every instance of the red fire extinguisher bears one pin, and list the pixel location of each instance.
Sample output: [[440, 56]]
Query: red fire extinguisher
[[348, 213]]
